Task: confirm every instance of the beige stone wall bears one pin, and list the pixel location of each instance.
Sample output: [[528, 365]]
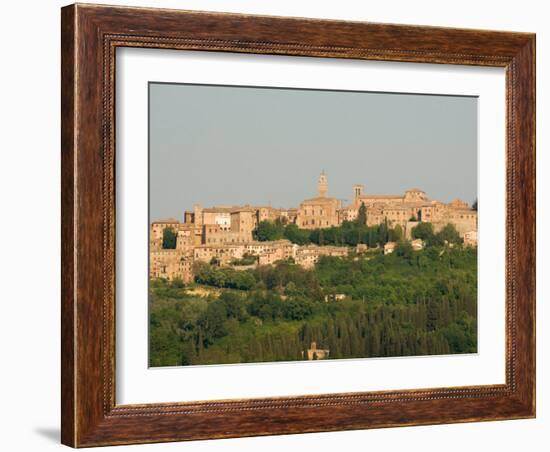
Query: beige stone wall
[[319, 213], [273, 256], [215, 235], [224, 253], [465, 220], [264, 214], [375, 216], [197, 214], [427, 214], [307, 256], [372, 200], [171, 264], [397, 215], [185, 239], [348, 214], [270, 214], [243, 221], [268, 252], [285, 248], [215, 217], [470, 238]]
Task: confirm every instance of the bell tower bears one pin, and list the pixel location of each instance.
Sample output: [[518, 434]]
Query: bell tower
[[322, 185], [357, 192]]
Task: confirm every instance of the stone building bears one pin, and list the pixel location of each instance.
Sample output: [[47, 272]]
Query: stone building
[[463, 219], [215, 235], [224, 253], [308, 255], [221, 225], [218, 216], [267, 252], [321, 211], [171, 264], [280, 250], [243, 220], [185, 238], [226, 232], [408, 209], [314, 353], [156, 232], [287, 248]]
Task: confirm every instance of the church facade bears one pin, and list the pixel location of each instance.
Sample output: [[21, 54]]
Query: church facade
[[321, 211]]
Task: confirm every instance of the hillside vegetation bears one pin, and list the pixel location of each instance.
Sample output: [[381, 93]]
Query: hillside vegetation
[[402, 304]]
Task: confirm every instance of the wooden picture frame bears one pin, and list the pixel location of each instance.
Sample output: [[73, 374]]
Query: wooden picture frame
[[90, 35]]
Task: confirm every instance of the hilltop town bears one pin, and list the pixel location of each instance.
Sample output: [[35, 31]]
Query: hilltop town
[[225, 235]]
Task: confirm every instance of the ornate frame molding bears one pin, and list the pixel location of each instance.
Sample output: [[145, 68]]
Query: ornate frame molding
[[90, 37]]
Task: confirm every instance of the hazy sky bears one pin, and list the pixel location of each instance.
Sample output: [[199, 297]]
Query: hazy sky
[[216, 145]]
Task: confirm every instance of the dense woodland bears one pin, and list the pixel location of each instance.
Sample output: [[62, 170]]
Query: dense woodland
[[351, 233], [405, 303]]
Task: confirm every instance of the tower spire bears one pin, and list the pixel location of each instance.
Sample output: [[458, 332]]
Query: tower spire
[[322, 185]]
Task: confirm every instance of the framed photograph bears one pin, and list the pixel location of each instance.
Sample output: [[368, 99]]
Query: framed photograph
[[281, 225]]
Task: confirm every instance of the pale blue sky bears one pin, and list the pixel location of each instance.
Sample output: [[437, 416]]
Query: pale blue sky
[[218, 145]]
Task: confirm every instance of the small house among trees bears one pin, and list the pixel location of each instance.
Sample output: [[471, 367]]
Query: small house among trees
[[313, 353]]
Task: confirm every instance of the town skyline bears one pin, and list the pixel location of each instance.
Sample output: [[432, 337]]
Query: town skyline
[[215, 145], [226, 235], [346, 202]]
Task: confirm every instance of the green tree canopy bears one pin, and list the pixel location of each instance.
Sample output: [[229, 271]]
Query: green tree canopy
[[297, 235], [406, 303], [362, 214], [425, 232], [449, 234], [396, 234], [169, 239], [269, 230], [404, 249]]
